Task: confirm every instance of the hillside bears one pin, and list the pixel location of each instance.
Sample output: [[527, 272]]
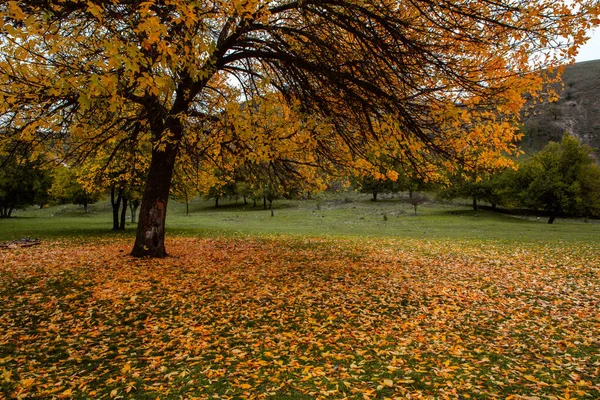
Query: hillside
[[577, 111]]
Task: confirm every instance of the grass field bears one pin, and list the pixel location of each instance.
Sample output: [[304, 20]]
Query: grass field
[[336, 215], [327, 299]]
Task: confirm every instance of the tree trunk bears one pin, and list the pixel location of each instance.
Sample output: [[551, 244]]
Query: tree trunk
[[187, 205], [85, 207], [123, 214], [271, 208], [216, 201], [116, 204], [133, 207], [552, 218], [474, 203], [374, 196], [150, 238], [415, 206], [264, 203]]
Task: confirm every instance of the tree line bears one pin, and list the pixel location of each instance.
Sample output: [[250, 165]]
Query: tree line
[[562, 179]]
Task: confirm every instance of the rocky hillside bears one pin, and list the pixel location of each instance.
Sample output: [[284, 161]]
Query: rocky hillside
[[577, 111]]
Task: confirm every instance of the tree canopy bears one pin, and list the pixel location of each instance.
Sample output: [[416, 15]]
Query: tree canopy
[[428, 82]]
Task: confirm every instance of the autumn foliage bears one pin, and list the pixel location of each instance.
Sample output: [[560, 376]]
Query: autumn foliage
[[350, 318]]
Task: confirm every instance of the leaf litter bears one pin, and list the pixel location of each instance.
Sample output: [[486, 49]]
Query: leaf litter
[[301, 317]]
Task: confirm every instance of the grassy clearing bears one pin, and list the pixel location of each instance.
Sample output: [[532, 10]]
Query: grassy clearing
[[343, 215], [299, 317]]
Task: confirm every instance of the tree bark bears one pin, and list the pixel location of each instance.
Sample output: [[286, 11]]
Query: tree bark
[[150, 237], [216, 201], [187, 205], [374, 196], [551, 219], [474, 203]]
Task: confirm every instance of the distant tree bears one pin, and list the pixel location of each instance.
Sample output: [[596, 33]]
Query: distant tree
[[416, 199], [484, 188], [121, 169], [66, 188], [42, 188], [590, 182], [376, 185], [220, 190], [555, 111], [22, 182], [135, 200], [183, 189], [561, 179], [244, 190]]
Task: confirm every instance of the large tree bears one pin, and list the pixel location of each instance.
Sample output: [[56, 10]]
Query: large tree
[[423, 77]]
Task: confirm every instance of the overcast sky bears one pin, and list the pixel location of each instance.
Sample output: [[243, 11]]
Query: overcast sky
[[591, 50]]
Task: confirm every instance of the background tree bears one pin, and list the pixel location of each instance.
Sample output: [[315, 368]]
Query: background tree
[[417, 199], [66, 188], [561, 179], [483, 186], [184, 188], [77, 75], [23, 182], [119, 167], [378, 185]]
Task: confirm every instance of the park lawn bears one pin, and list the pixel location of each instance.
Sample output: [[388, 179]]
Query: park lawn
[[259, 316], [345, 215]]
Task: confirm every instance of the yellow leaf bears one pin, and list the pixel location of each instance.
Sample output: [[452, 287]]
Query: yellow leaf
[[387, 382], [245, 386], [27, 382], [126, 368]]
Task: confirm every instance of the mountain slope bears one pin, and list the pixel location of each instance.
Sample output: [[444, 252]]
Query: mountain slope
[[577, 111]]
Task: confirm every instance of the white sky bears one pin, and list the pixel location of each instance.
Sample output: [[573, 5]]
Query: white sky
[[591, 50]]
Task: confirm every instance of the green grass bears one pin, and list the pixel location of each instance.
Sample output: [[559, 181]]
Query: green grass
[[343, 215]]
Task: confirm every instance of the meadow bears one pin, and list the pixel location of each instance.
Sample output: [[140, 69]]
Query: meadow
[[334, 297]]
